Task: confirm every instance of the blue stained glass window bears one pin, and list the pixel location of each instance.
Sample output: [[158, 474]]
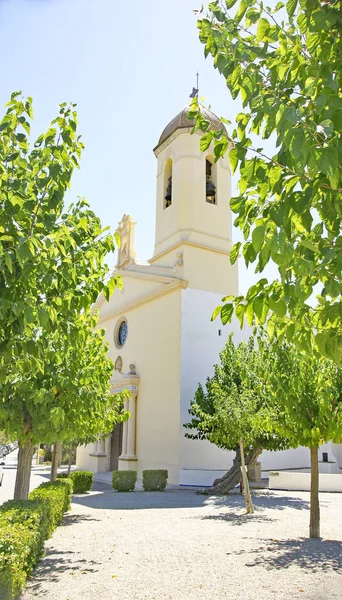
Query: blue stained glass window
[[122, 334]]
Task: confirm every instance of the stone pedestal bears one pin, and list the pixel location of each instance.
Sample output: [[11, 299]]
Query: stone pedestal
[[254, 472]]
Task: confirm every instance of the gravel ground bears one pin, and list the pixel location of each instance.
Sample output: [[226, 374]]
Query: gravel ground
[[179, 545]]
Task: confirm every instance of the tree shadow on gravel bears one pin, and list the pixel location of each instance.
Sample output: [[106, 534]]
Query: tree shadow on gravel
[[70, 519], [53, 564], [261, 503], [238, 519], [105, 497], [270, 501], [310, 555]]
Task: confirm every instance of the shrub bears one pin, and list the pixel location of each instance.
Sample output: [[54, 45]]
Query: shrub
[[68, 483], [24, 526], [32, 514], [155, 480], [56, 496], [124, 481], [82, 481], [15, 547]]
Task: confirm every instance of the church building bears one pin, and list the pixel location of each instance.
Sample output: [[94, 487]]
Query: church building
[[159, 329]]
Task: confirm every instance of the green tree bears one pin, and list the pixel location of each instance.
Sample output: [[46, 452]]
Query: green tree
[[308, 391], [285, 66], [52, 268], [236, 406]]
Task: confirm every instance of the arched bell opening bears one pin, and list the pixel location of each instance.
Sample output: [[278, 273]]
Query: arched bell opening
[[210, 180], [168, 183]]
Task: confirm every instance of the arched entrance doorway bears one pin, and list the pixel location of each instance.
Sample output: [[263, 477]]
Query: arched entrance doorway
[[115, 447]]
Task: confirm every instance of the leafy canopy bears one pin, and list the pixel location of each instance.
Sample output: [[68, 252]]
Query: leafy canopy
[[54, 368], [308, 390], [285, 65], [236, 403]]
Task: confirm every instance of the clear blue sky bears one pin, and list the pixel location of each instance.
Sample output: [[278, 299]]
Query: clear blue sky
[[130, 67]]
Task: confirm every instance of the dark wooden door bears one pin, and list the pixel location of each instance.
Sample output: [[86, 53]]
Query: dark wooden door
[[116, 447]]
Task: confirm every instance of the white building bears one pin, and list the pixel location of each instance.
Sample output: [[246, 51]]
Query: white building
[[159, 327]]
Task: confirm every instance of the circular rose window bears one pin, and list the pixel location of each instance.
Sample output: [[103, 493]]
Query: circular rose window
[[120, 334]]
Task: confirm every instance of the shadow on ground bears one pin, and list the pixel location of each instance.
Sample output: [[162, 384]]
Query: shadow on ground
[[310, 555], [70, 519], [53, 564], [104, 497], [238, 519]]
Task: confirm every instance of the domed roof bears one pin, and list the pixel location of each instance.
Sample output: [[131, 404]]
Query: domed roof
[[181, 121]]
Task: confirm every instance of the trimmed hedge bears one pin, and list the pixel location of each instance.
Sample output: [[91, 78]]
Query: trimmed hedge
[[24, 526], [32, 514], [56, 496], [124, 481], [82, 481], [155, 480], [15, 548]]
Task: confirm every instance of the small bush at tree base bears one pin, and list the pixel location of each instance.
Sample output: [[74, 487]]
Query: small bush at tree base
[[124, 481], [155, 480], [82, 481]]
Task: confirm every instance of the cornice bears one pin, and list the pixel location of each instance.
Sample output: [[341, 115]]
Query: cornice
[[167, 289], [188, 243]]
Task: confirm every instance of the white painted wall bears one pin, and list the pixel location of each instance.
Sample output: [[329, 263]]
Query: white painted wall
[[200, 461], [285, 480]]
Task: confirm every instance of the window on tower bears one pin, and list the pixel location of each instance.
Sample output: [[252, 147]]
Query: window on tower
[[168, 183], [210, 188]]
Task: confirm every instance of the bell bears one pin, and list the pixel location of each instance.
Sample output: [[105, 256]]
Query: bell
[[210, 189], [168, 195]]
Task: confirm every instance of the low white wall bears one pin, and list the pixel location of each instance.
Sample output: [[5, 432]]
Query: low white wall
[[287, 480]]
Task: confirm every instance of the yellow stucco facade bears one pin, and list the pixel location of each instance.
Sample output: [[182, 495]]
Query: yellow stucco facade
[[189, 270]]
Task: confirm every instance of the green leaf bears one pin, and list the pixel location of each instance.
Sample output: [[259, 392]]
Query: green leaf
[[326, 127], [235, 203], [240, 313], [234, 253], [206, 140], [291, 6], [8, 262], [249, 313], [233, 158], [262, 29], [258, 236], [216, 313], [260, 306], [227, 313], [278, 307]]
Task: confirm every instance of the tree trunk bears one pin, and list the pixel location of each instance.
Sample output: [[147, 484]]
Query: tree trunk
[[314, 499], [246, 490], [70, 458], [224, 484], [57, 450], [22, 480]]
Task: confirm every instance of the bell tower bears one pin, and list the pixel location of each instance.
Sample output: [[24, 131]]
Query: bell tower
[[193, 217]]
